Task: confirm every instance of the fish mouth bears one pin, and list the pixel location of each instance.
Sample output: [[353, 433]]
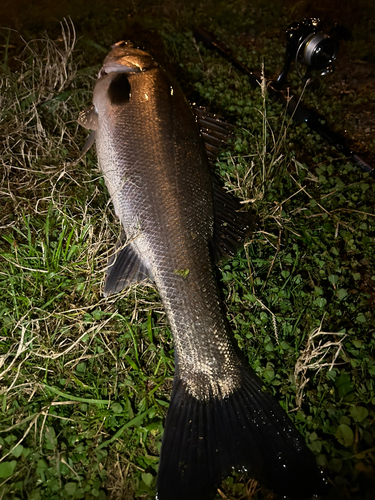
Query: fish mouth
[[125, 57], [123, 43]]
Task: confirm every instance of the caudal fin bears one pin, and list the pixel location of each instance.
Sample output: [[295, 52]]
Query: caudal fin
[[204, 440]]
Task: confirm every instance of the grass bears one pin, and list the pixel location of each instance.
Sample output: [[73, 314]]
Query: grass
[[85, 380]]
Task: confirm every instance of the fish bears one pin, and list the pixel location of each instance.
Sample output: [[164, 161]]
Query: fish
[[177, 222]]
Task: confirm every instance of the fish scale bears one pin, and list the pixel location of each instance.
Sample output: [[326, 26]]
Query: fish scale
[[154, 164], [157, 202]]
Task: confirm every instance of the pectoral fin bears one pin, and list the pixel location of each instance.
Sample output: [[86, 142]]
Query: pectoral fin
[[89, 118], [125, 268], [89, 142]]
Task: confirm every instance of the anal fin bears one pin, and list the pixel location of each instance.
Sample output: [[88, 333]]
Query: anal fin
[[125, 268]]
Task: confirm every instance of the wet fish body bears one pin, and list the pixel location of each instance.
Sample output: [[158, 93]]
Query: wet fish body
[[155, 166]]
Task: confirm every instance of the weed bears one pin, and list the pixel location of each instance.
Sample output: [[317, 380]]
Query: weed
[[85, 380]]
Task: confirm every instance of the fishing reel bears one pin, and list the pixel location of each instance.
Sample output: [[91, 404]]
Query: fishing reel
[[308, 46]]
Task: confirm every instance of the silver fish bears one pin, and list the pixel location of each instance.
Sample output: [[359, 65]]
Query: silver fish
[[155, 166]]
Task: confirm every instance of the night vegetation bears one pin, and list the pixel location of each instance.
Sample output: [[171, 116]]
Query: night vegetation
[[85, 381]]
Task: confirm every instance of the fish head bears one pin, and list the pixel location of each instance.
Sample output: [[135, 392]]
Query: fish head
[[126, 58]]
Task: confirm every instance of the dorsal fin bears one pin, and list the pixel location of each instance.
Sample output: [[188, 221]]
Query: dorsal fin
[[214, 130], [231, 226]]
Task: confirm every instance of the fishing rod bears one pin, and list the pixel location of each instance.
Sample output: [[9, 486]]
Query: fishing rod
[[308, 47]]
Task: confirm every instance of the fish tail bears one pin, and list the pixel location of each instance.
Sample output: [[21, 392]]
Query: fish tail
[[204, 440]]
